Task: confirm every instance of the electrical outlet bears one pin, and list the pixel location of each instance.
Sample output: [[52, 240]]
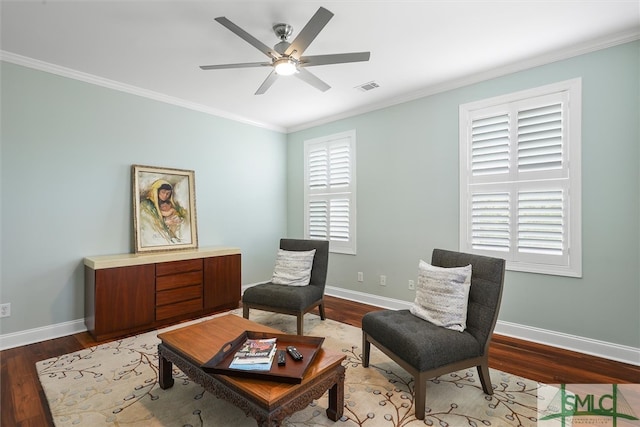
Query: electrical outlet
[[383, 280], [412, 285], [5, 309], [360, 276]]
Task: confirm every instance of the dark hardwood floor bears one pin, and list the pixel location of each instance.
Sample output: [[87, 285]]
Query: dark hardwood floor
[[22, 401], [550, 365]]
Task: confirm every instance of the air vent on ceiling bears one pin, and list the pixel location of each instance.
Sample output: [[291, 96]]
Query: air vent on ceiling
[[365, 87]]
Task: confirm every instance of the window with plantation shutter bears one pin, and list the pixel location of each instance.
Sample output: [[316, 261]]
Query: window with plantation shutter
[[329, 191], [520, 179]]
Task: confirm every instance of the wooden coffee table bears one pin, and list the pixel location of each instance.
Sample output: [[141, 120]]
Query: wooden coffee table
[[269, 402]]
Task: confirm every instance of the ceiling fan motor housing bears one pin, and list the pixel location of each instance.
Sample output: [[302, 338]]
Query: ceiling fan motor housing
[[283, 31]]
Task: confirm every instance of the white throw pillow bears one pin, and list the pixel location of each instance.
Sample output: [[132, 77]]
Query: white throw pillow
[[293, 268], [442, 295]]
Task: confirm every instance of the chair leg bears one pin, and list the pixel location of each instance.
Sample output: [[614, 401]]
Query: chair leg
[[300, 317], [485, 378], [366, 350], [245, 311], [420, 395], [321, 310]]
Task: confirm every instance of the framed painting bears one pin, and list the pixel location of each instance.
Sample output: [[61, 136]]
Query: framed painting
[[164, 209]]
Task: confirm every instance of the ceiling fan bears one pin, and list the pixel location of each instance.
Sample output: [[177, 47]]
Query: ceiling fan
[[286, 58]]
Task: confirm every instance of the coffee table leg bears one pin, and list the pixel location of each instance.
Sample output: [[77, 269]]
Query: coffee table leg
[[165, 369], [336, 398]]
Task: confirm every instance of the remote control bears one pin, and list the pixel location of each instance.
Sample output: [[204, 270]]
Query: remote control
[[282, 357], [294, 353]]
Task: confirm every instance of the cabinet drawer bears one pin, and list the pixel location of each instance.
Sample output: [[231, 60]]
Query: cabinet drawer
[[184, 307], [174, 267], [173, 296], [178, 280]]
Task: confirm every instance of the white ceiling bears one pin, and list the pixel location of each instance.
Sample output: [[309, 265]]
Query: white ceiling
[[154, 48]]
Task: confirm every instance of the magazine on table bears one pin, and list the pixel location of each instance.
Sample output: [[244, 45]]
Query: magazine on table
[[255, 354]]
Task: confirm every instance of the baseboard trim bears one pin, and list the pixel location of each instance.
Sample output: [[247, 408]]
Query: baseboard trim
[[30, 336], [362, 297], [607, 350]]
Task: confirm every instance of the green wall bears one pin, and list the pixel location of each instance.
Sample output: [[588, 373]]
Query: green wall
[[67, 151], [407, 200], [68, 146]]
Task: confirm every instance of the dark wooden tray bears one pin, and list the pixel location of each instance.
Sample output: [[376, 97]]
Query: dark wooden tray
[[292, 372]]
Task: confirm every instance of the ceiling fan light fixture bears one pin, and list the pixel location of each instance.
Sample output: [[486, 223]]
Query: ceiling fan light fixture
[[285, 66], [286, 58]]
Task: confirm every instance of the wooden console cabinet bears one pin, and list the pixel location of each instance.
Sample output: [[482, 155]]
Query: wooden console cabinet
[[131, 293]]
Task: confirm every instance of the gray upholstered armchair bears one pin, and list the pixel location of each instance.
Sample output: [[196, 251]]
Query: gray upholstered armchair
[[294, 300], [426, 350]]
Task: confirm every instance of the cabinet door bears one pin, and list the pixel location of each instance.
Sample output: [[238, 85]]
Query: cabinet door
[[222, 275], [125, 298]]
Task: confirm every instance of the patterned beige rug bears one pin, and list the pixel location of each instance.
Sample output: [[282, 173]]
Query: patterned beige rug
[[116, 384]]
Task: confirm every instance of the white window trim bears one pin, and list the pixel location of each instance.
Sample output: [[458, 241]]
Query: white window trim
[[343, 247], [572, 155]]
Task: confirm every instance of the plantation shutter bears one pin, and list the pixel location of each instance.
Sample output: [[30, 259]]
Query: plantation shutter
[[329, 191], [515, 183], [490, 144], [540, 139], [491, 221], [541, 226], [329, 219], [318, 219]]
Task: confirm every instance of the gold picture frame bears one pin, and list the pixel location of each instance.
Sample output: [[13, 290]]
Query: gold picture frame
[[164, 209]]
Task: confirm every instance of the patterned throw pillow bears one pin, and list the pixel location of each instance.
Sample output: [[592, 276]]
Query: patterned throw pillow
[[442, 295], [293, 268]]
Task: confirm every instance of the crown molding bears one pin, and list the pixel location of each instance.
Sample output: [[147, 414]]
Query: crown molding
[[133, 90], [547, 58], [555, 56]]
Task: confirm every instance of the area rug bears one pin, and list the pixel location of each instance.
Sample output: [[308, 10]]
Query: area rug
[[116, 384]]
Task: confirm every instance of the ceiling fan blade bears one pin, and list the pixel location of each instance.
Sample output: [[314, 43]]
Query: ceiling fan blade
[[337, 58], [271, 78], [311, 78], [242, 65], [248, 38], [309, 33]]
